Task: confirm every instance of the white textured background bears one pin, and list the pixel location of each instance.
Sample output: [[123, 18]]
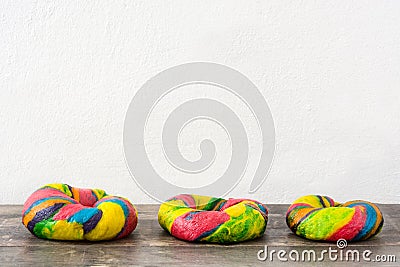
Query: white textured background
[[329, 70]]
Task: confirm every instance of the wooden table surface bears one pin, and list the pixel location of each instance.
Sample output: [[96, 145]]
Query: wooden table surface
[[150, 245]]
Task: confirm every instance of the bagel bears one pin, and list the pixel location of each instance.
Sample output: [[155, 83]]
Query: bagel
[[62, 212], [214, 220], [317, 217]]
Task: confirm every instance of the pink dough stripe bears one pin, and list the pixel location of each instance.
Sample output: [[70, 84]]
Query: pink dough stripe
[[87, 197], [43, 193], [188, 199], [67, 211]]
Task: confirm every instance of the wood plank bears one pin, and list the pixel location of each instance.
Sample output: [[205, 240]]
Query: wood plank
[[150, 245]]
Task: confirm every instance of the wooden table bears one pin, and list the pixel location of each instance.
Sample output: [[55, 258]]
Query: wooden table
[[149, 245]]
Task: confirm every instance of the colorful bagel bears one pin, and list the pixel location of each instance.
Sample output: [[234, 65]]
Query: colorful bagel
[[62, 212], [320, 218], [215, 220]]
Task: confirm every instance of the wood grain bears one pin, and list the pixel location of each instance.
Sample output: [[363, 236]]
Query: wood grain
[[150, 245]]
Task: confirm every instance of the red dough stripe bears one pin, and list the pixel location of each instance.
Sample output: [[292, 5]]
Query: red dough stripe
[[193, 224], [131, 220], [350, 230]]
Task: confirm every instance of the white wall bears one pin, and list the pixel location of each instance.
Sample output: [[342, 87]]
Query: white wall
[[329, 70]]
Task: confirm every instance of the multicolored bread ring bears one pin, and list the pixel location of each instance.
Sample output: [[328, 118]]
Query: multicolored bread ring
[[62, 212], [216, 220], [320, 218]]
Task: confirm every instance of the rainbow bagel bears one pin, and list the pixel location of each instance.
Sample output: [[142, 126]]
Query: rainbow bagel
[[320, 218], [215, 220], [62, 212]]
